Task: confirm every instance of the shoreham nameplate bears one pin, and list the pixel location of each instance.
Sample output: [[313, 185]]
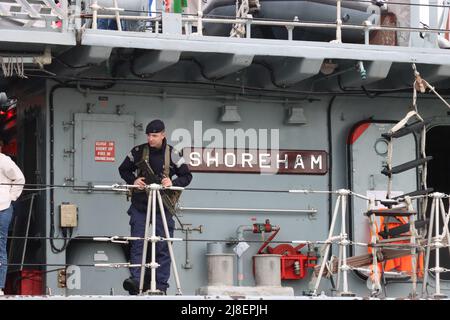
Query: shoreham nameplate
[[256, 161]]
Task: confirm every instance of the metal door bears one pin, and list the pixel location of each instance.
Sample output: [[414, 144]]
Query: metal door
[[101, 143], [367, 156]]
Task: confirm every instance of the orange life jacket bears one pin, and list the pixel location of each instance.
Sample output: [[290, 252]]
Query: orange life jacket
[[398, 264]]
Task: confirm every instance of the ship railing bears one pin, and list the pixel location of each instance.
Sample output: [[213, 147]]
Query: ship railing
[[166, 22], [37, 14], [62, 17]]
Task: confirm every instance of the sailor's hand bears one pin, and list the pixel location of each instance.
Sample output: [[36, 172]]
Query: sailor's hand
[[139, 182], [166, 182]]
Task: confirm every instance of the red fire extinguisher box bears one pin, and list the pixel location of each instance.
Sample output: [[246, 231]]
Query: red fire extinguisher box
[[25, 282]]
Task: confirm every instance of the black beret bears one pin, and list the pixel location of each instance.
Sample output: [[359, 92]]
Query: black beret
[[154, 127]]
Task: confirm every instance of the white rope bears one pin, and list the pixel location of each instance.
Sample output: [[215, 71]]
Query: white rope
[[328, 267], [238, 29], [422, 84], [440, 269], [424, 202], [120, 239], [125, 265], [389, 167], [6, 66], [3, 66], [11, 65], [419, 85], [23, 69]]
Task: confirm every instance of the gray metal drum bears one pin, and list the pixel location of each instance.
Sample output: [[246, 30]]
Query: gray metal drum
[[220, 269], [323, 11], [268, 270], [214, 248]]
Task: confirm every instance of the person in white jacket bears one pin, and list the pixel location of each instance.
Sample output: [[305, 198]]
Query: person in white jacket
[[9, 174]]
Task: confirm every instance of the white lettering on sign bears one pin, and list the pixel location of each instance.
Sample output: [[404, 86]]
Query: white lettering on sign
[[196, 159], [247, 158], [105, 151], [211, 159], [263, 161], [285, 161], [299, 162], [315, 161], [257, 161]]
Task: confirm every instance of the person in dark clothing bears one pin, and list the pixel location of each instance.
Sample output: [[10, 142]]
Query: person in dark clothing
[[154, 151]]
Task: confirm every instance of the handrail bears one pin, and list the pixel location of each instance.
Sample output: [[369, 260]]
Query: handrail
[[39, 14], [188, 20], [63, 15]]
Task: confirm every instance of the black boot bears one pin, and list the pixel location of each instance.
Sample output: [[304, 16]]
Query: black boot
[[132, 286]]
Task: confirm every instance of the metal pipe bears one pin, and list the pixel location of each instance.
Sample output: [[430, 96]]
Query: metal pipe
[[445, 219], [185, 96], [200, 18], [340, 264], [277, 23], [117, 16], [317, 25], [240, 264], [144, 252], [366, 36], [77, 19], [344, 243], [187, 262], [289, 30], [413, 247], [65, 18], [438, 243], [427, 254], [153, 270], [27, 230], [169, 244], [275, 230], [328, 245], [94, 8], [269, 23], [338, 23], [344, 192], [310, 211], [248, 27], [123, 17]]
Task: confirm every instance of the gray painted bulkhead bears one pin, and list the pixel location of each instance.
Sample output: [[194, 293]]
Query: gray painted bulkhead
[[104, 213], [265, 64]]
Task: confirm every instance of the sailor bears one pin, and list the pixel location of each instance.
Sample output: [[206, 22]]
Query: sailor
[[9, 174], [154, 151]]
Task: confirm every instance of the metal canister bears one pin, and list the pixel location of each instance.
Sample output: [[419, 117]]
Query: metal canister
[[220, 269], [220, 265], [267, 270]]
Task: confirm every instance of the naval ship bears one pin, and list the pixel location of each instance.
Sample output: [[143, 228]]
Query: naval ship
[[316, 132]]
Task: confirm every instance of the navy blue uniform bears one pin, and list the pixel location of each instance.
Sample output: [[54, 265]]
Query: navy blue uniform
[[138, 209]]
